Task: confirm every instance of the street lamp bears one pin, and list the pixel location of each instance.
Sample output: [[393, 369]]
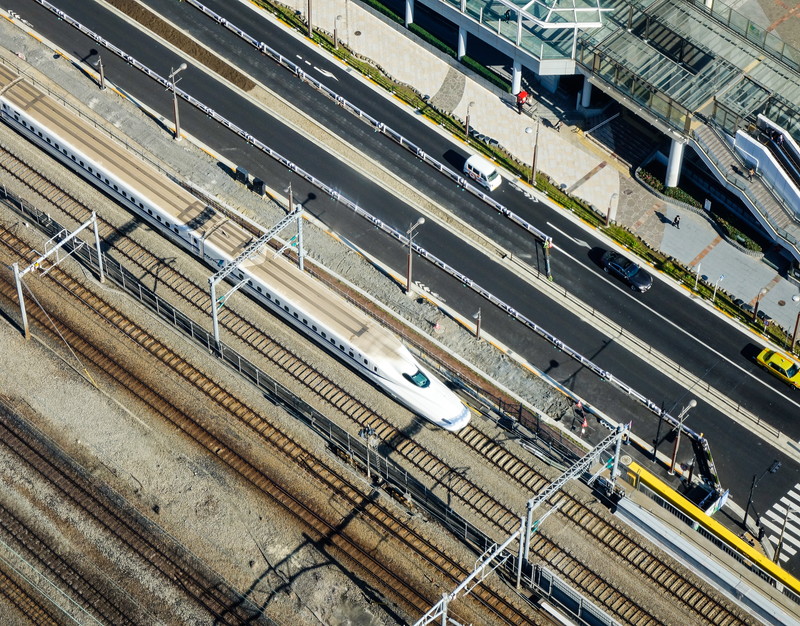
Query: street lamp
[[610, 203], [310, 27], [174, 82], [336, 32], [697, 276], [466, 122], [776, 465], [410, 233], [681, 417], [795, 298], [529, 130], [720, 279], [758, 298], [477, 318], [789, 511], [102, 72]]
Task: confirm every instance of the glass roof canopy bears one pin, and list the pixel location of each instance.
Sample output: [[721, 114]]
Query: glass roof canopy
[[674, 58]]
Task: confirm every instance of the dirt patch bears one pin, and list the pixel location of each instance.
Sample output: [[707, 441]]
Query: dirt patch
[[155, 24]]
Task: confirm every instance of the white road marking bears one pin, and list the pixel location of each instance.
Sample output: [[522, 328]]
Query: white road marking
[[580, 242], [325, 73]]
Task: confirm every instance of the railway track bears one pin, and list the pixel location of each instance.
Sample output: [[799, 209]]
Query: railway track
[[14, 591], [664, 577], [613, 540], [334, 479]]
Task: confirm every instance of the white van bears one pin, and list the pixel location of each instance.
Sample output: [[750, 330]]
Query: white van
[[483, 172]]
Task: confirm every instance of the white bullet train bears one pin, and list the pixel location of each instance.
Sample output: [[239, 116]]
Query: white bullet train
[[309, 306]]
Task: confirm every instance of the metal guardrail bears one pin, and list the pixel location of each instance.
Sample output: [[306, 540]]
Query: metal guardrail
[[393, 477], [376, 125], [562, 594], [392, 232]]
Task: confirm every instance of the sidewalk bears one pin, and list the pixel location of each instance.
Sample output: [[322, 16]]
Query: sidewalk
[[570, 159]]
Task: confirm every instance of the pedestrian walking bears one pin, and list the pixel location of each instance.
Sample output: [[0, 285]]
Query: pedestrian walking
[[558, 125], [522, 98], [750, 173], [677, 222]]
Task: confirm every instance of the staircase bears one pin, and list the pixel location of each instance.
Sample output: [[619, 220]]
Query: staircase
[[773, 215]]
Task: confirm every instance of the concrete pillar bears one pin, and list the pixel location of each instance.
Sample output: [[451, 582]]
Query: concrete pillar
[[586, 93], [550, 83], [516, 77], [409, 12], [675, 163], [462, 42]]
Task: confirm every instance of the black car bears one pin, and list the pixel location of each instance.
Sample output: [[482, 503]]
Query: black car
[[636, 278]]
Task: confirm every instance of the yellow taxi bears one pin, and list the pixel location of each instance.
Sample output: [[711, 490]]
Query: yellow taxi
[[781, 366]]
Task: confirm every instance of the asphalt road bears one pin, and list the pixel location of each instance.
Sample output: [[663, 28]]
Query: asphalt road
[[655, 317]]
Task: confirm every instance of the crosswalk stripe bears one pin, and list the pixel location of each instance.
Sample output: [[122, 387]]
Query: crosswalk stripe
[[795, 497], [774, 536]]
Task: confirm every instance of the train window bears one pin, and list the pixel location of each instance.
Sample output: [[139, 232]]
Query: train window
[[341, 347], [278, 302], [91, 171], [285, 308], [305, 321], [314, 328], [351, 353], [333, 341], [419, 379], [81, 162], [296, 316], [322, 333], [258, 289], [366, 362]]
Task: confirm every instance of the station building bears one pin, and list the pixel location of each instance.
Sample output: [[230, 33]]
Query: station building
[[702, 74]]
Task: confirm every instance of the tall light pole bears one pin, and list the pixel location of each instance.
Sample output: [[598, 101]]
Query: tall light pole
[[529, 130], [410, 233], [102, 72], [477, 318], [310, 27], [697, 276], [758, 299], [466, 121], [336, 32], [681, 417], [610, 203], [789, 511], [174, 82], [776, 465], [716, 284], [795, 298]]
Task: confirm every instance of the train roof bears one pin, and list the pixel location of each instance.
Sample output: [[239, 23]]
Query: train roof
[[307, 293]]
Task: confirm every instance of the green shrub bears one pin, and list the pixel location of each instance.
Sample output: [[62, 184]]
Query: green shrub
[[380, 8], [651, 179], [737, 235], [431, 39], [681, 196], [486, 73]]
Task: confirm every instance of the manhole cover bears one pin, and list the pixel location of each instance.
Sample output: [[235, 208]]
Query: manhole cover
[[781, 302], [357, 33]]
